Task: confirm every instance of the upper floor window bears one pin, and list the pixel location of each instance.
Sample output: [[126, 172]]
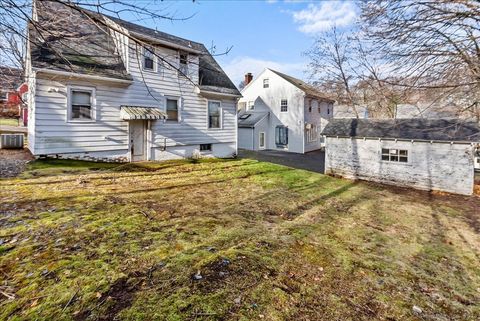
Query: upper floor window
[[283, 105], [310, 106], [319, 110], [214, 114], [266, 83], [172, 109], [251, 105], [183, 67], [81, 104], [148, 59], [395, 155]]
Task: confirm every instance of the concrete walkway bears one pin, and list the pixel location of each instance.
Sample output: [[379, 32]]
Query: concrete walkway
[[312, 161]]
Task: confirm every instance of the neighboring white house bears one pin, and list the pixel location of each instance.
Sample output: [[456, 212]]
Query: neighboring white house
[[281, 112], [429, 154], [127, 92]]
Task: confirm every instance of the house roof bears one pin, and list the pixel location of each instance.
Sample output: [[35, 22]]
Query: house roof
[[450, 130], [71, 41], [250, 119], [308, 89]]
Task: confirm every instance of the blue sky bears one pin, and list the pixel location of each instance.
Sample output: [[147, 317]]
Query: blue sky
[[263, 33]]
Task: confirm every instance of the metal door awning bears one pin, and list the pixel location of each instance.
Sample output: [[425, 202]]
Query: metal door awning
[[141, 112]]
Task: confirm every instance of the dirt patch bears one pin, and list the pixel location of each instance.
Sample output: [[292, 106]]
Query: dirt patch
[[242, 273], [13, 161]]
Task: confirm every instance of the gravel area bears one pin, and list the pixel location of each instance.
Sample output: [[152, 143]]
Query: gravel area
[[13, 161]]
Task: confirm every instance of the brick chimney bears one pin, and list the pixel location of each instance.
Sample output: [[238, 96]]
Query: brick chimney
[[248, 78]]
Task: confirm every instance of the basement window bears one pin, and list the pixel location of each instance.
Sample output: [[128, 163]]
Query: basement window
[[395, 155], [205, 147]]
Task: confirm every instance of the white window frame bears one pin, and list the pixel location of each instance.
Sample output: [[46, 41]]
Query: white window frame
[[221, 115], [155, 67], [250, 105], [180, 71], [266, 83], [397, 155], [93, 101], [260, 140], [179, 109], [281, 105]]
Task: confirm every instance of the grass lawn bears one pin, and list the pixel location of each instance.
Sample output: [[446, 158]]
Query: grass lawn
[[231, 240], [8, 122]]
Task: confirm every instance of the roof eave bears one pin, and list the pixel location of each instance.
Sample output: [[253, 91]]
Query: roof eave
[[165, 43], [214, 93], [405, 139], [79, 75]]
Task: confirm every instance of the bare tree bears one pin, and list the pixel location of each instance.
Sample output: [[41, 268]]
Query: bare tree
[[332, 66], [434, 44]]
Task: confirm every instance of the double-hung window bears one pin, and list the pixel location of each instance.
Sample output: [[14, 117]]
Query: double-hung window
[[172, 109], [81, 104], [281, 136], [214, 114], [283, 106], [251, 105], [148, 59], [183, 66], [266, 83], [395, 155]]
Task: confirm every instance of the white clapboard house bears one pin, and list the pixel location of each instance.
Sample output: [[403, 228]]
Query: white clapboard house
[[280, 112], [123, 92]]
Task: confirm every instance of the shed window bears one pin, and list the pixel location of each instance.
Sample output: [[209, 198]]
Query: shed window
[[214, 114], [172, 109], [183, 64], [266, 83], [81, 104], [148, 59], [395, 155], [283, 105], [281, 136]]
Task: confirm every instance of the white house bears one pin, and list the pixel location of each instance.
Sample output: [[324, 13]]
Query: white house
[[281, 112], [123, 93], [428, 154]]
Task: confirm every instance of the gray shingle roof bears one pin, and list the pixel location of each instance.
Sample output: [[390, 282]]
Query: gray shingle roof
[[415, 128], [308, 89], [71, 41], [252, 118]]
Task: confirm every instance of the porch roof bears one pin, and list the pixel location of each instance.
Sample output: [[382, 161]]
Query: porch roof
[[141, 112]]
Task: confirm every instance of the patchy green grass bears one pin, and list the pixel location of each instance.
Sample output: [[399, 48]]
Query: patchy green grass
[[230, 240]]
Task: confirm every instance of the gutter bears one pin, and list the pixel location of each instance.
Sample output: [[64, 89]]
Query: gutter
[[214, 93], [79, 75], [406, 139]]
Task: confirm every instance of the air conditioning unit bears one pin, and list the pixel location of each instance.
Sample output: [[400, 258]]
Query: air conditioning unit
[[11, 141]]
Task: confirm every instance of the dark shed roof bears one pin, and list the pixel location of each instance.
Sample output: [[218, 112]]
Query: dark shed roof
[[308, 89], [70, 41], [415, 128]]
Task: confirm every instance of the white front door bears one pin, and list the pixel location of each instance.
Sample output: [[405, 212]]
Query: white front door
[[261, 140], [137, 140]]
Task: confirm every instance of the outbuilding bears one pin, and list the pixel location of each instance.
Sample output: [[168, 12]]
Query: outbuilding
[[428, 154]]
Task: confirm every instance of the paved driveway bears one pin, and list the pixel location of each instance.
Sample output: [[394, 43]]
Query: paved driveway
[[312, 161]]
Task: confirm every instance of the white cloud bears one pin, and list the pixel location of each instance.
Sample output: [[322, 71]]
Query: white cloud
[[239, 66], [322, 16]]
